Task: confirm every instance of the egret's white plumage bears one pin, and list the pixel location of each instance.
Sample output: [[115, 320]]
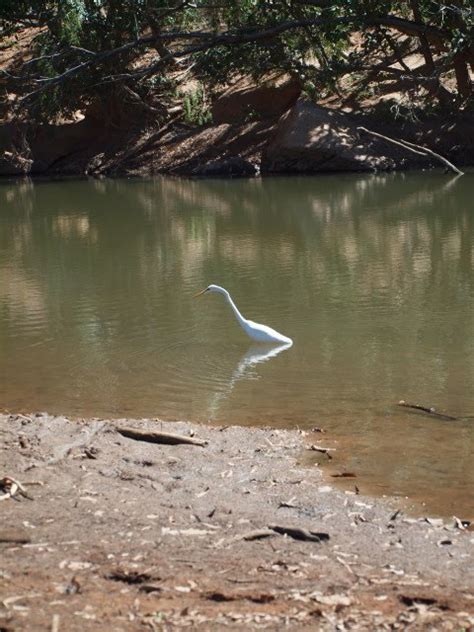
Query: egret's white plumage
[[256, 331]]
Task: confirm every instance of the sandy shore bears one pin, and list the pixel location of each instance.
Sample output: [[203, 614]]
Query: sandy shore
[[120, 534]]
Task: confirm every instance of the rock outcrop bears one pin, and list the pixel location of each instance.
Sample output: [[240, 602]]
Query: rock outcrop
[[310, 138], [306, 139], [245, 101], [66, 149]]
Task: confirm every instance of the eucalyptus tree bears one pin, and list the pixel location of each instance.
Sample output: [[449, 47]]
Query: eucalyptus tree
[[82, 49]]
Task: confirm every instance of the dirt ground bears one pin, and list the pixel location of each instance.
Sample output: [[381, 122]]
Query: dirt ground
[[120, 534]]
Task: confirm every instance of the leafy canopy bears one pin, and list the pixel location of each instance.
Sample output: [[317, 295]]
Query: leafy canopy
[[84, 49]]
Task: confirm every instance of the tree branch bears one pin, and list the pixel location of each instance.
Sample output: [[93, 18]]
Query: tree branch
[[211, 39], [414, 148]]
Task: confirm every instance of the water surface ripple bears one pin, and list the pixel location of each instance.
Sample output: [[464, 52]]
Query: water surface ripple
[[372, 276]]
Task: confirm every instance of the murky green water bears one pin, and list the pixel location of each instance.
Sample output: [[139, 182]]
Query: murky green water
[[372, 276]]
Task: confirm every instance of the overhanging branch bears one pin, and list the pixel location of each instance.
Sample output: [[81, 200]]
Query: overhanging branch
[[211, 40]]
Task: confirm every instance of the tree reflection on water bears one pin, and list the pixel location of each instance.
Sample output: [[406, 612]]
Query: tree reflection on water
[[372, 276]]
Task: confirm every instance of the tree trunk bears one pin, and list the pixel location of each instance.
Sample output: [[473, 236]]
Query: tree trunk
[[425, 46], [463, 78], [433, 86]]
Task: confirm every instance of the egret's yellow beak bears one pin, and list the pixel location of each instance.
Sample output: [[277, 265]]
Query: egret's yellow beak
[[199, 293]]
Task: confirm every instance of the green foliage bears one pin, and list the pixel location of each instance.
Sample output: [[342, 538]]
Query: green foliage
[[196, 107], [310, 41], [69, 21]]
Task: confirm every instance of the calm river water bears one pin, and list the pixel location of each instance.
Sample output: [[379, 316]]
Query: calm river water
[[372, 276]]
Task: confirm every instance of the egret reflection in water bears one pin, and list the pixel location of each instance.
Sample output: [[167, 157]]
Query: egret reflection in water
[[378, 290], [254, 355]]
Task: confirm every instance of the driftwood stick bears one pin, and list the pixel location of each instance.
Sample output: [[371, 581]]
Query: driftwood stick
[[326, 451], [399, 143], [159, 437], [11, 487], [258, 534], [416, 149], [298, 533], [437, 156], [428, 410], [14, 537]]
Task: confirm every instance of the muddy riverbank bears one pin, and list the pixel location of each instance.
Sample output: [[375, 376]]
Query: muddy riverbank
[[118, 533]]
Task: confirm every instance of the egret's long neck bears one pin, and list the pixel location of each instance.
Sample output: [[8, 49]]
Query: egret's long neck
[[238, 315]]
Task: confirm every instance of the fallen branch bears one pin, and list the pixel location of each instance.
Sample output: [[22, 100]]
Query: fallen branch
[[300, 534], [14, 537], [150, 588], [10, 487], [258, 534], [159, 437], [415, 149], [428, 411], [326, 451]]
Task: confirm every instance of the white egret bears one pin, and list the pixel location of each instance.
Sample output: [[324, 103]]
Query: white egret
[[256, 331]]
